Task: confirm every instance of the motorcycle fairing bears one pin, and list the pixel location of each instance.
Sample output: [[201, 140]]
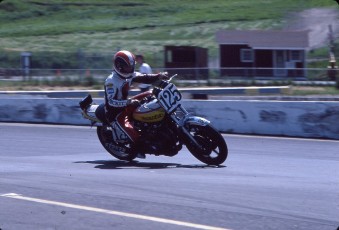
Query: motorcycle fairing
[[89, 113], [149, 112]]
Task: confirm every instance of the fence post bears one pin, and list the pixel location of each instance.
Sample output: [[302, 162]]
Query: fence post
[[25, 64]]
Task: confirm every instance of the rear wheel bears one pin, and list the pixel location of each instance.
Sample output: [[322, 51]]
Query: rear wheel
[[121, 151], [211, 148]]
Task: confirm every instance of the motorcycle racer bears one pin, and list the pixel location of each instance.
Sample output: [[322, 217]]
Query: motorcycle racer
[[117, 86]]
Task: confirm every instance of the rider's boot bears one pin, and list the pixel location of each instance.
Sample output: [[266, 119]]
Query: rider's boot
[[138, 147]]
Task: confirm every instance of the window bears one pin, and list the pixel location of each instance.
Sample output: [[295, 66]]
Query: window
[[295, 55], [169, 56], [246, 55]]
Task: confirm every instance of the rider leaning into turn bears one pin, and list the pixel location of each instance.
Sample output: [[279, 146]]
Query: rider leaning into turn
[[117, 86]]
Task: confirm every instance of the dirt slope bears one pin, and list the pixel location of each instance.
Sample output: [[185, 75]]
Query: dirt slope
[[317, 21]]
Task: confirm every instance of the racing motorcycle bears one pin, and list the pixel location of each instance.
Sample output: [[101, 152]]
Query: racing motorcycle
[[164, 126]]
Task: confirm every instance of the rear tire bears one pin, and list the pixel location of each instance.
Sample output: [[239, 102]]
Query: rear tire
[[121, 151], [214, 148]]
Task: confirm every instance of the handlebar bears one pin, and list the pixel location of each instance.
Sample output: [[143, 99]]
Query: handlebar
[[162, 84], [173, 76]]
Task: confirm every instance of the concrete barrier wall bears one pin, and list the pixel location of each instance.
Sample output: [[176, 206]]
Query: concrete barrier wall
[[297, 119]]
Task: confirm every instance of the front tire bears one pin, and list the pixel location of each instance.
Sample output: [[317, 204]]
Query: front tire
[[121, 151], [213, 148]]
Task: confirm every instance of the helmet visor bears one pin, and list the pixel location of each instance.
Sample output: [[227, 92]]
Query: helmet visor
[[123, 67]]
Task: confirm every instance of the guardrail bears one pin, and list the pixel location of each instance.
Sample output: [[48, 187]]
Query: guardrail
[[194, 93], [196, 74]]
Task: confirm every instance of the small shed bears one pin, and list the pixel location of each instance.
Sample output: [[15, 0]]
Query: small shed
[[262, 53], [188, 61]]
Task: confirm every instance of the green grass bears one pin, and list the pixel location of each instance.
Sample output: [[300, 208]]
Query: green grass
[[46, 84], [140, 26], [315, 90]]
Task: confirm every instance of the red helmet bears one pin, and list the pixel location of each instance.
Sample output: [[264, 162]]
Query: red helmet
[[124, 63]]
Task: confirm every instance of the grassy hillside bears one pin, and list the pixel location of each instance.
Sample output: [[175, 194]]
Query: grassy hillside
[[141, 26]]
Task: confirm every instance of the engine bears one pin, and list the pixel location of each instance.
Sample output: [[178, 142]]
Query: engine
[[158, 134]]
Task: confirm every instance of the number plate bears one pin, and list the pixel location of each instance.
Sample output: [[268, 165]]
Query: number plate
[[170, 98]]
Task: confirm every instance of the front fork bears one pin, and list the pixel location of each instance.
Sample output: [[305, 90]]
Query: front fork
[[186, 119]]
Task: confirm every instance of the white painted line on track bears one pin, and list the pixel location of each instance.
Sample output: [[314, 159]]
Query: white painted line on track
[[112, 212]]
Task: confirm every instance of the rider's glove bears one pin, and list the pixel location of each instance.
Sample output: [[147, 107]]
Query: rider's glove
[[133, 102], [163, 76]]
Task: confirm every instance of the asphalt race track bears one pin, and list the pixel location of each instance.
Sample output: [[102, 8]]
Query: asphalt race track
[[59, 177]]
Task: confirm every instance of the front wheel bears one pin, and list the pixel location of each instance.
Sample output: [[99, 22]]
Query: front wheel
[[122, 151], [212, 148]]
